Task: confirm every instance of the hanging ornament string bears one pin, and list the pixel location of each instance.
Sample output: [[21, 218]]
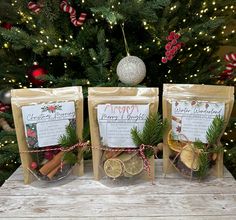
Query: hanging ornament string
[[125, 41], [34, 7], [231, 63], [68, 9]]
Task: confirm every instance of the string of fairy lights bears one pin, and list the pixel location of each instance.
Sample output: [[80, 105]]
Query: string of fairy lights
[[27, 19], [51, 43], [57, 43]]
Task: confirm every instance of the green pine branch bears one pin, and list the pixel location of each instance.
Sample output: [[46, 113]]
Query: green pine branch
[[9, 154], [215, 129], [204, 165], [6, 135], [213, 134], [64, 81], [110, 15], [198, 144], [152, 132], [70, 138], [97, 70], [5, 115], [67, 140]]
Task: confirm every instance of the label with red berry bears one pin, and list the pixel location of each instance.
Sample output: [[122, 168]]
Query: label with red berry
[[191, 119], [46, 123]]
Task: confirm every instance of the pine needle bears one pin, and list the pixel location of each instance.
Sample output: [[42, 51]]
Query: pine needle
[[136, 136], [203, 165], [152, 132], [213, 134], [215, 130], [198, 144], [70, 138]]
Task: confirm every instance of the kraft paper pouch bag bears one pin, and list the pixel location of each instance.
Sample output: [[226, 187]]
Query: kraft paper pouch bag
[[197, 116], [113, 112], [42, 117]]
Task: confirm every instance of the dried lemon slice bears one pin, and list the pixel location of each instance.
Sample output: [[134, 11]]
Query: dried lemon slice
[[113, 168], [134, 166], [127, 174], [189, 156], [177, 146]]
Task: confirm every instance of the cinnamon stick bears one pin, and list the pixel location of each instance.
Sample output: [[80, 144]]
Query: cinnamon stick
[[53, 163], [53, 172], [112, 154]]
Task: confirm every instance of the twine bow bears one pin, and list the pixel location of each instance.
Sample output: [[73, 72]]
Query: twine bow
[[146, 162]]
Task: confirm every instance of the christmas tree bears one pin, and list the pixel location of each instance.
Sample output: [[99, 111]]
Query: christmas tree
[[49, 43]]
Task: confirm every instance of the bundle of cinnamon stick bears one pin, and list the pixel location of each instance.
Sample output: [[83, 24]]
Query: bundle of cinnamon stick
[[52, 167]]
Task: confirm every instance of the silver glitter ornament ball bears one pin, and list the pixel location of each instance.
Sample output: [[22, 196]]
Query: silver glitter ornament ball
[[131, 70], [5, 97]]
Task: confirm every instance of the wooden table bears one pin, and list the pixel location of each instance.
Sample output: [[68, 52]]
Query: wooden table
[[172, 197]]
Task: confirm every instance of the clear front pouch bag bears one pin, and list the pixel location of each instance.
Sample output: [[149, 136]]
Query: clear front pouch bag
[[49, 124], [113, 113], [197, 116]]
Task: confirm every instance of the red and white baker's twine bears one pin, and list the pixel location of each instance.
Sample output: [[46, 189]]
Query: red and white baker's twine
[[80, 144], [34, 7], [231, 63], [67, 8]]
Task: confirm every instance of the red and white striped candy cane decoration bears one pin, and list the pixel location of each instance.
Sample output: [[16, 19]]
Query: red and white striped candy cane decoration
[[230, 57], [34, 7], [231, 65], [67, 8]]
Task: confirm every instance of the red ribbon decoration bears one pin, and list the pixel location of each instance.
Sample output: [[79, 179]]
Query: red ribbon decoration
[[67, 8]]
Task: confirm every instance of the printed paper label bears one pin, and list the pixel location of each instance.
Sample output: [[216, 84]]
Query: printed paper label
[[116, 122], [45, 123], [191, 119]]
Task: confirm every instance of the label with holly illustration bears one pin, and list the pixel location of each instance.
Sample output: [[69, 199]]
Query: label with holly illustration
[[116, 122], [45, 123], [191, 119]]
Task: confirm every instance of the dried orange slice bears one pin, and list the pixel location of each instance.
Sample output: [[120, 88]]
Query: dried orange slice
[[176, 146], [113, 168], [133, 166]]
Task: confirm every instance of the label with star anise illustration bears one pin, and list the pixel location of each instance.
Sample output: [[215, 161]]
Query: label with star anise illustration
[[191, 119]]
